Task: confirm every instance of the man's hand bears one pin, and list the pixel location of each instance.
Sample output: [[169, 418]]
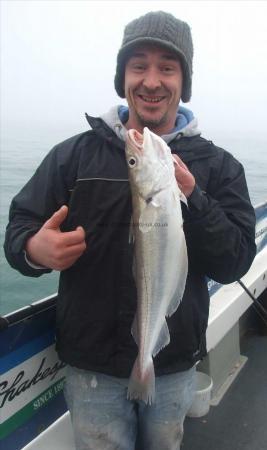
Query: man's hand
[[54, 249], [185, 179]]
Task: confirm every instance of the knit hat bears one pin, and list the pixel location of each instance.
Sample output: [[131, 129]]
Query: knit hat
[[165, 30]]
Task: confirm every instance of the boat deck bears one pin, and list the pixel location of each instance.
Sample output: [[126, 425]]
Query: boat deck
[[239, 422], [240, 419]]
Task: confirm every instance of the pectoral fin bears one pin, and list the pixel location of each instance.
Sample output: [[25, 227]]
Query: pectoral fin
[[148, 217]]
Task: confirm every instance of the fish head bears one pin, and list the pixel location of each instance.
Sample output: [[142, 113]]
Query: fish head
[[150, 163]]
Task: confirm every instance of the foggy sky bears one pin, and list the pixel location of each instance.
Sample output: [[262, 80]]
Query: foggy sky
[[59, 58]]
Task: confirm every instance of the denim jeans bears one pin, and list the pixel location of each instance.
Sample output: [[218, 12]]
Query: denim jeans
[[104, 419]]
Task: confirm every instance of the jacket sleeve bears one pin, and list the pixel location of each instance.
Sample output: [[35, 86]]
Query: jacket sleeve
[[220, 225], [44, 193]]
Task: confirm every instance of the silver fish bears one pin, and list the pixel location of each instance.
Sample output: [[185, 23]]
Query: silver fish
[[160, 253]]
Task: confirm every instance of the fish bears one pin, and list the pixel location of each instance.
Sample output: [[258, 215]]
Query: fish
[[160, 262]]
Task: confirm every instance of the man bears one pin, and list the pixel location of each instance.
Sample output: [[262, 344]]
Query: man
[[74, 216]]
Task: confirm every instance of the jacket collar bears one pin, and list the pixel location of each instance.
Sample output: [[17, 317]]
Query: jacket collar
[[189, 148]]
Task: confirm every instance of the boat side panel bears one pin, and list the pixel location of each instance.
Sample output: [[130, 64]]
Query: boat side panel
[[31, 379]]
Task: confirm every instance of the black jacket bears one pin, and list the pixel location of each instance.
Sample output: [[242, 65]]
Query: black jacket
[[97, 295]]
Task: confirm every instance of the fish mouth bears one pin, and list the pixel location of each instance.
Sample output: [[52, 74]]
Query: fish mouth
[[136, 140]]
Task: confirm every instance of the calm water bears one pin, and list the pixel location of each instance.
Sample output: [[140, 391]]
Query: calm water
[[19, 159]]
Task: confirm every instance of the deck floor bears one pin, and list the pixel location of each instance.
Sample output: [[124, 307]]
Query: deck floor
[[239, 422]]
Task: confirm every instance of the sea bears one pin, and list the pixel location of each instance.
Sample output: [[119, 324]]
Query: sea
[[20, 157]]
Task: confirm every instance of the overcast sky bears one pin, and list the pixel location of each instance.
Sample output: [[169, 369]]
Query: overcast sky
[[58, 61]]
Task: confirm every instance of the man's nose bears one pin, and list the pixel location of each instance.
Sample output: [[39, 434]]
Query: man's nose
[[152, 79]]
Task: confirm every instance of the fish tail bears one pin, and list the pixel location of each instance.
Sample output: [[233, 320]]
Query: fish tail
[[142, 383]]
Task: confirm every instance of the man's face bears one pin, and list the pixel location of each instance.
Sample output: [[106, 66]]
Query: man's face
[[153, 88]]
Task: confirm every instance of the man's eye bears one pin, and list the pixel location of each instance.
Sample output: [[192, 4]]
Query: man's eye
[[167, 69], [138, 67]]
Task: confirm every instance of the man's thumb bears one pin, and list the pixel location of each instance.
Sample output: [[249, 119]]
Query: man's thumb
[[57, 218]]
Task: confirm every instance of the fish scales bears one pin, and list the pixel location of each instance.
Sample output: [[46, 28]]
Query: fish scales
[[160, 254]]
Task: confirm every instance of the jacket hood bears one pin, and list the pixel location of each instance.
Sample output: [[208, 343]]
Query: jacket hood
[[186, 124]]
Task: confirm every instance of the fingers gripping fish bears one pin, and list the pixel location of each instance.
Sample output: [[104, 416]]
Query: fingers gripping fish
[[160, 254]]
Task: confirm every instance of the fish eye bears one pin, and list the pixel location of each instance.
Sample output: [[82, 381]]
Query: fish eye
[[132, 162]]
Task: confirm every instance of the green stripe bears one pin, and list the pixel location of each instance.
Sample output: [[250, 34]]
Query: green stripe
[[25, 413]]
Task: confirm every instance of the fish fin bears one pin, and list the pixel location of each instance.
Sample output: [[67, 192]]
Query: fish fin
[[181, 281], [131, 233], [163, 338], [174, 161], [142, 385], [183, 197], [179, 195], [155, 203], [159, 200], [135, 329], [147, 218]]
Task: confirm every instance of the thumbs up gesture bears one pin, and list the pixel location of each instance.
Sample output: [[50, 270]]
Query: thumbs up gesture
[[54, 249]]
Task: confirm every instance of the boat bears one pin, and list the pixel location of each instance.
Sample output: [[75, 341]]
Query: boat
[[33, 412]]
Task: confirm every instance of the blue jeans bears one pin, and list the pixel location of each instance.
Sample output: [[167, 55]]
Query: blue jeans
[[103, 418]]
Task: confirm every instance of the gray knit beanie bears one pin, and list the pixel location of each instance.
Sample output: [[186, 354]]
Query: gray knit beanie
[[165, 30]]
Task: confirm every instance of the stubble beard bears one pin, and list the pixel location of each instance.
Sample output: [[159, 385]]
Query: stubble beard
[[151, 123]]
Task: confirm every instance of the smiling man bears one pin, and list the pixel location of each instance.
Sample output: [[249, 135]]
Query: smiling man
[[74, 216], [153, 88]]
